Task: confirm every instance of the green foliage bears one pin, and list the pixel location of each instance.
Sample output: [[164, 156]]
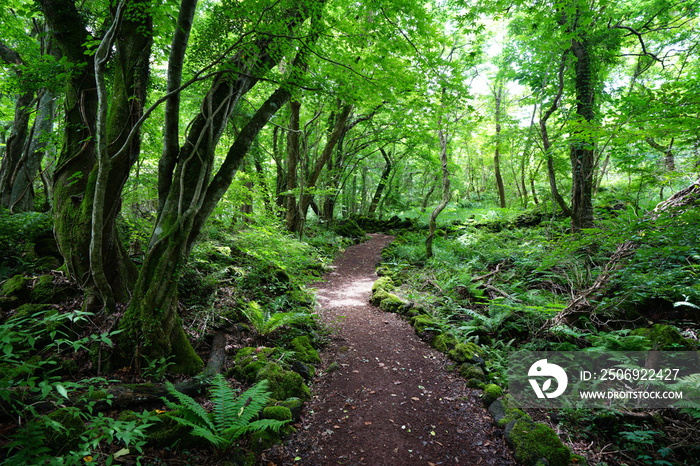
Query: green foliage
[[232, 416], [265, 322]]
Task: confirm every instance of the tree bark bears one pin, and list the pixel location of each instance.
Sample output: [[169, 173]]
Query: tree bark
[[546, 143], [292, 217], [498, 97], [76, 174], [582, 145], [446, 194], [382, 183]]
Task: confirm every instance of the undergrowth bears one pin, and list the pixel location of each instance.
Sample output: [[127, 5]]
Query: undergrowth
[[497, 284]]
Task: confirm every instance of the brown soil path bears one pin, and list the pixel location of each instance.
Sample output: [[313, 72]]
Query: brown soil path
[[391, 402]]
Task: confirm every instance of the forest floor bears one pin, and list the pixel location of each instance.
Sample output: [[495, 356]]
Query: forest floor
[[390, 399]]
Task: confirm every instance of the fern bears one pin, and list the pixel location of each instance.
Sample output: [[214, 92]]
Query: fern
[[265, 322], [231, 417]]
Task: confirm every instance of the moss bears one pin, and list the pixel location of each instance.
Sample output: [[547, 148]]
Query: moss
[[350, 229], [187, 361], [475, 383], [506, 410], [279, 413], [262, 440], [465, 352], [168, 432], [249, 361], [304, 351], [17, 286], [392, 303], [68, 436], [283, 384], [491, 393], [471, 371], [378, 296], [444, 342], [383, 283], [294, 405], [29, 309], [44, 290], [422, 322], [664, 337], [533, 441]]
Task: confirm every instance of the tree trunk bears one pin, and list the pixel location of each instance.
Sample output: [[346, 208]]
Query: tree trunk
[[446, 194], [546, 143], [22, 195], [498, 96], [582, 145], [76, 174], [333, 138], [293, 219], [382, 183]]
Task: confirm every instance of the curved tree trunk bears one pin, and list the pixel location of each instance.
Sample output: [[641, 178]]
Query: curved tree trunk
[[383, 179], [446, 194], [76, 174]]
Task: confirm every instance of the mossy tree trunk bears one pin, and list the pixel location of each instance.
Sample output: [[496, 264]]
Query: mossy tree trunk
[[190, 194], [76, 174]]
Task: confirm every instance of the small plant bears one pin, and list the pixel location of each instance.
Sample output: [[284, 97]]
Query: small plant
[[156, 368], [232, 416], [265, 322]]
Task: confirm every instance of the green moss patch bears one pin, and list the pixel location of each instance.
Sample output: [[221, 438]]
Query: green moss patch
[[535, 441], [491, 393], [305, 352], [392, 303], [444, 342], [664, 337], [465, 352], [283, 384], [423, 322]]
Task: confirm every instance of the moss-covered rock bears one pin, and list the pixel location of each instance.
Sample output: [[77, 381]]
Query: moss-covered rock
[[249, 360], [491, 393], [466, 352], [378, 296], [506, 410], [68, 436], [44, 290], [444, 342], [283, 384], [278, 413], [383, 283], [475, 383], [471, 371], [350, 229], [305, 352], [534, 441], [664, 337], [168, 432], [17, 286], [423, 322], [392, 303], [294, 405], [262, 440]]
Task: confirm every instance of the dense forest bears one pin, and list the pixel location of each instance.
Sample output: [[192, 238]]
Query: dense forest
[[175, 175]]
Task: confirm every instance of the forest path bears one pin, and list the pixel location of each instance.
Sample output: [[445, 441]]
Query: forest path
[[391, 402]]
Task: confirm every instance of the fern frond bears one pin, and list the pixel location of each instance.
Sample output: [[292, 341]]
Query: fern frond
[[200, 431], [251, 402], [189, 408], [255, 315], [223, 398], [255, 426], [279, 319]]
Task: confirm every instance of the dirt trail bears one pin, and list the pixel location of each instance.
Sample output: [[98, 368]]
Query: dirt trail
[[390, 402]]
